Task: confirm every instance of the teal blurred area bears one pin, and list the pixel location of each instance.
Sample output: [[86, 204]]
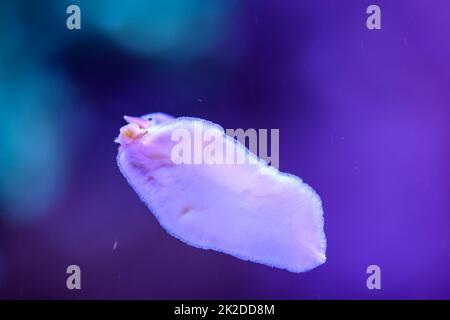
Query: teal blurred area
[[171, 30], [33, 150], [34, 104], [38, 116]]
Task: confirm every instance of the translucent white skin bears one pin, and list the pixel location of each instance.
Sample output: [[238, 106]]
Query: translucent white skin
[[251, 211]]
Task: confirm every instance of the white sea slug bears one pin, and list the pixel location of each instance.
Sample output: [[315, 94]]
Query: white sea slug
[[251, 211]]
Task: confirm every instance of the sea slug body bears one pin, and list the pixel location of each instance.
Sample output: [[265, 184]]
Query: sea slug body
[[251, 211]]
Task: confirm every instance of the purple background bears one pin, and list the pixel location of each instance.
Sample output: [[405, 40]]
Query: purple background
[[363, 118]]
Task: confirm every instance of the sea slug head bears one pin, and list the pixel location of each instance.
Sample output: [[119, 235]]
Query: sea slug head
[[138, 127], [130, 133]]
